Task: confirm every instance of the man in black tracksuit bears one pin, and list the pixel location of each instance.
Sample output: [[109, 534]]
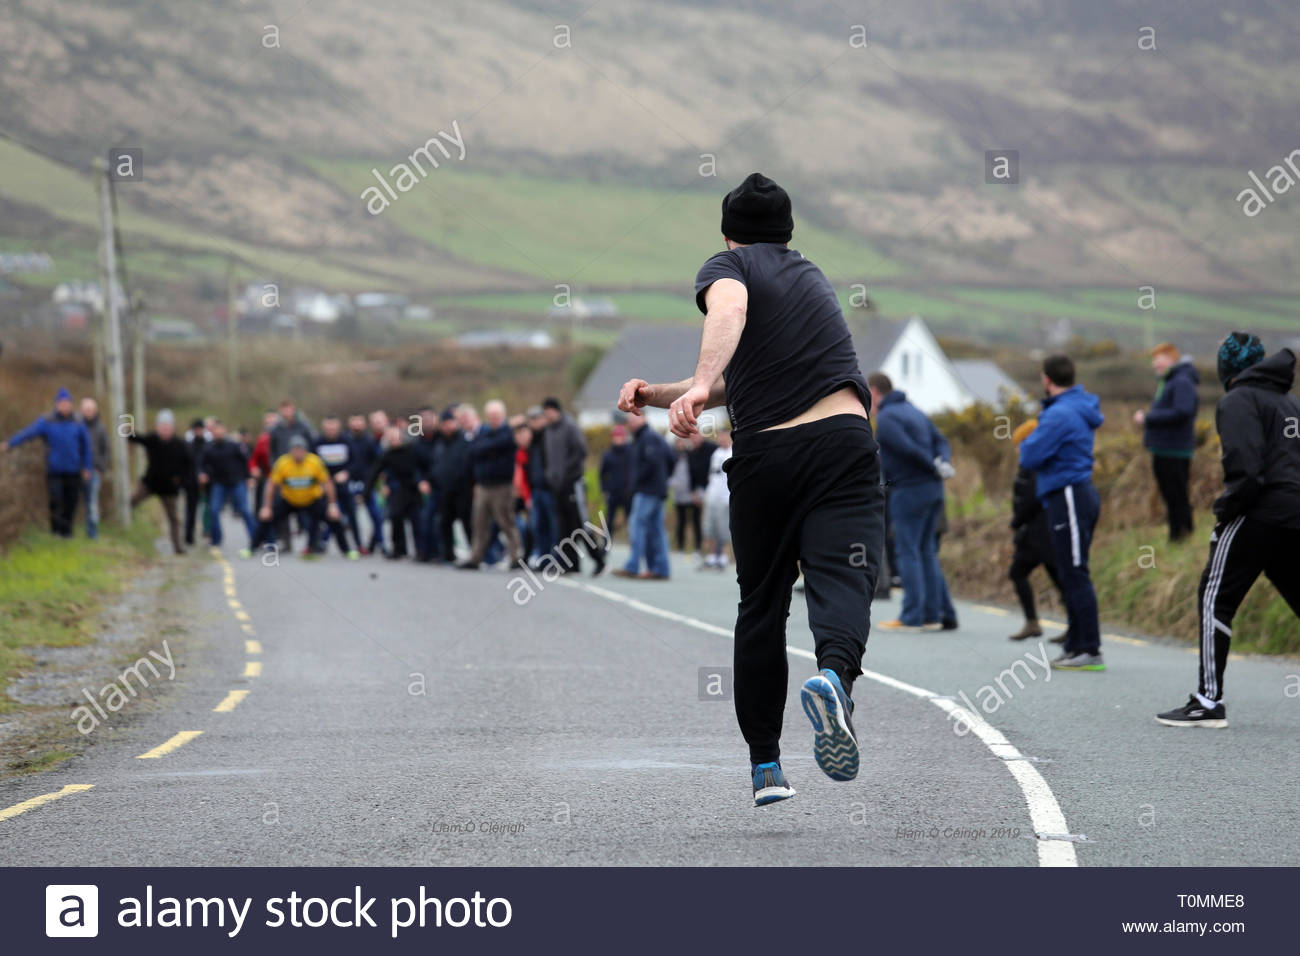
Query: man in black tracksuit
[[1258, 514], [804, 476]]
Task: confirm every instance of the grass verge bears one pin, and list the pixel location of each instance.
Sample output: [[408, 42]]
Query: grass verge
[[52, 590]]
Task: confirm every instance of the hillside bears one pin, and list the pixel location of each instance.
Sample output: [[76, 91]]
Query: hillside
[[584, 126]]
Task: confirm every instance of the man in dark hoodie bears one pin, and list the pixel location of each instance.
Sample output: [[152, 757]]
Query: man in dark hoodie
[[169, 464], [365, 452], [223, 472], [425, 448], [1257, 517], [68, 459], [397, 466], [616, 475], [543, 512], [565, 451], [452, 479], [1059, 452], [195, 493], [1169, 433], [100, 454]]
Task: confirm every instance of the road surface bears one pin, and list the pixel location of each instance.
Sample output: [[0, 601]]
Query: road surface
[[385, 713]]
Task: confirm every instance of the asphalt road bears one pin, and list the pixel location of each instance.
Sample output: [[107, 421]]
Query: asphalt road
[[399, 714]]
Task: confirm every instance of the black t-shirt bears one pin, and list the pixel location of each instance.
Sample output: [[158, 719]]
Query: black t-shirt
[[796, 348]]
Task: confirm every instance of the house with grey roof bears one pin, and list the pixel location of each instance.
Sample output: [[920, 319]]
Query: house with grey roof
[[906, 351]]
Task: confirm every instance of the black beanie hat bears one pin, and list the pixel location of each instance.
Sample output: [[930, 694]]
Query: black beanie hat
[[758, 210]]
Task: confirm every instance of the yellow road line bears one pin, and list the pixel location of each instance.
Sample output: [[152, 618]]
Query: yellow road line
[[242, 616], [235, 605], [1121, 639], [990, 609], [1052, 623], [230, 702], [248, 629], [163, 749], [43, 799], [252, 668], [253, 647]]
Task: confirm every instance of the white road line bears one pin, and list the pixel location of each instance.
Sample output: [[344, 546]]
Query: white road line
[[1044, 811]]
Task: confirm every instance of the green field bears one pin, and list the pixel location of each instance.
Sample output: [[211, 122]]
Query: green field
[[472, 229], [156, 247], [581, 232], [971, 308]]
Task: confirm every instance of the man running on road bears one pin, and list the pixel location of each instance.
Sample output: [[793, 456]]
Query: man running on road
[[804, 473]]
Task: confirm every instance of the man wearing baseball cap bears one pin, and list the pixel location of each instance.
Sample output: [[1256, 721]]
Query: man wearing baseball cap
[[804, 474], [1257, 516]]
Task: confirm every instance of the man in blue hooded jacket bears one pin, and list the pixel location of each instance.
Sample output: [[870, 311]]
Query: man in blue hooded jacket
[[68, 459], [1059, 452]]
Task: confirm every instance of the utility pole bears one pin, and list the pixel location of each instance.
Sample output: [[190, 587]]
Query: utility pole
[[139, 334], [97, 351], [97, 323], [232, 342], [113, 352]]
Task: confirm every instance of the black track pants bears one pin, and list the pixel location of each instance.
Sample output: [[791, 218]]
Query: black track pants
[[1240, 550], [809, 497]]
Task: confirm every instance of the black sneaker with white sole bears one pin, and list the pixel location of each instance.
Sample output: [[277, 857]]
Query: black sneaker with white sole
[[1195, 714]]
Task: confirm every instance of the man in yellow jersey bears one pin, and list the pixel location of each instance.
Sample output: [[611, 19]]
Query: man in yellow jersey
[[300, 483]]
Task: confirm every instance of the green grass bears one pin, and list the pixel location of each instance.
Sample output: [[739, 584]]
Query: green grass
[[654, 306], [1012, 308], [581, 232], [1161, 599], [44, 760], [1177, 310], [70, 196], [51, 590]]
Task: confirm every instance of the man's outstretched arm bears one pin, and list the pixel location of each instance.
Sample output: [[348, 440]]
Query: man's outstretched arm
[[727, 301], [638, 393]]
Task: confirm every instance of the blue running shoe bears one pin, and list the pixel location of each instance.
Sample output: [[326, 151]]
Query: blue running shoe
[[770, 785], [834, 744]]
